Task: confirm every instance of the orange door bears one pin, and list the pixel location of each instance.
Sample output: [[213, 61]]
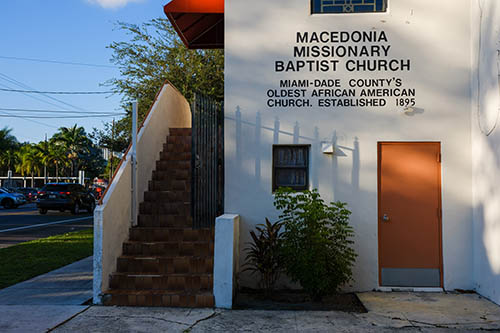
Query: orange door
[[409, 222]]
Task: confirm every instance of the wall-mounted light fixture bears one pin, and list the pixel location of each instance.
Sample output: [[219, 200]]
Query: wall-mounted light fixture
[[327, 148], [408, 110]]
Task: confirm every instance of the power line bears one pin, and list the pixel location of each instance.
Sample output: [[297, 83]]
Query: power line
[[60, 111], [57, 117], [25, 86], [30, 120], [58, 62], [58, 92], [34, 97]]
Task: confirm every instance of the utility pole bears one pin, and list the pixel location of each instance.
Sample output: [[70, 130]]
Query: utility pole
[[45, 164], [112, 150], [133, 155]]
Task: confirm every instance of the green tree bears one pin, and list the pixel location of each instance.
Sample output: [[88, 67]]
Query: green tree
[[56, 157], [91, 161], [42, 149], [8, 147], [9, 159], [153, 54], [75, 142], [7, 140], [30, 162]]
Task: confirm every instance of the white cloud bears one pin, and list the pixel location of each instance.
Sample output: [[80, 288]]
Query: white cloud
[[112, 3]]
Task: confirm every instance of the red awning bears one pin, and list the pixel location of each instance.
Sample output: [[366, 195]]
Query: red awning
[[199, 23]]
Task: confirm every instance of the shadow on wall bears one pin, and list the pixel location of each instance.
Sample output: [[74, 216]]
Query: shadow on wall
[[315, 142], [438, 94], [486, 150], [253, 159]]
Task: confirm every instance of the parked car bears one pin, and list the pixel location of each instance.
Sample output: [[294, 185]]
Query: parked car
[[28, 192], [64, 196], [11, 200], [98, 191]]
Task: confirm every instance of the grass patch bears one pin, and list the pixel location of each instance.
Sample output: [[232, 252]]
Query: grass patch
[[24, 261]]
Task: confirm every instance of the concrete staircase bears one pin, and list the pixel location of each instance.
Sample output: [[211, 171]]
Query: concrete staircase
[[165, 262]]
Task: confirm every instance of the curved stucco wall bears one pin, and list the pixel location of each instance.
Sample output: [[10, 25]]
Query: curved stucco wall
[[486, 146], [112, 218]]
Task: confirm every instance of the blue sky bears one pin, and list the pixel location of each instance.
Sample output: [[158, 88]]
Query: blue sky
[[68, 31]]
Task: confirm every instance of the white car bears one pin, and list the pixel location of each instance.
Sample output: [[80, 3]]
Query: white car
[[11, 200]]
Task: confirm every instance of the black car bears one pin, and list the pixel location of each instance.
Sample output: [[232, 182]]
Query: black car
[[63, 196]]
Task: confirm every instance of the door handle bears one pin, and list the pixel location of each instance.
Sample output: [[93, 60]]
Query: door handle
[[385, 218]]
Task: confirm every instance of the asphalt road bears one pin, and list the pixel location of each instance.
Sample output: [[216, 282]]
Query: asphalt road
[[25, 223]]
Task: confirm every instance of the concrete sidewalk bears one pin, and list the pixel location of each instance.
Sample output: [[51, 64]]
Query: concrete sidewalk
[[388, 312], [53, 302], [47, 300]]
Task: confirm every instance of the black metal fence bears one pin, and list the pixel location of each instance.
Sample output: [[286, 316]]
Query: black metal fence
[[207, 161]]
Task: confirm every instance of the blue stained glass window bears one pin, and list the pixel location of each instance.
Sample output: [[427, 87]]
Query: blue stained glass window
[[348, 6]]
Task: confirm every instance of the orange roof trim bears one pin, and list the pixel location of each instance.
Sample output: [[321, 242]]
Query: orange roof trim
[[199, 23]]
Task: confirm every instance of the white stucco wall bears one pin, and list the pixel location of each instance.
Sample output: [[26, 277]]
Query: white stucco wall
[[435, 35], [112, 218], [486, 147], [226, 259]]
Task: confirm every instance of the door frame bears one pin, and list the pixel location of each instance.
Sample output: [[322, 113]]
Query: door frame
[[440, 206]]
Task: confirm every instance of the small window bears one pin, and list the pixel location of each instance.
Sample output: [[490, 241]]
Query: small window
[[291, 166], [348, 6]]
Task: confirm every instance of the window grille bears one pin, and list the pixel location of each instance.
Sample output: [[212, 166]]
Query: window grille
[[348, 6], [291, 166]]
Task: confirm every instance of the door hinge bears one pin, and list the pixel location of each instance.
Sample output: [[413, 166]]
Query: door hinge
[[439, 157], [439, 213]]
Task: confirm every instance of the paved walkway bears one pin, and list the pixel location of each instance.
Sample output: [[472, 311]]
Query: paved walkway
[[47, 300], [53, 302], [388, 312]]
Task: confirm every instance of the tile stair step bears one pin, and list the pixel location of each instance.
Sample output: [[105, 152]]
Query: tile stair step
[[178, 174], [159, 298], [169, 185], [167, 196], [169, 165], [177, 157], [171, 282], [174, 148], [165, 208], [179, 139], [179, 131], [170, 234], [165, 265], [175, 248], [157, 220]]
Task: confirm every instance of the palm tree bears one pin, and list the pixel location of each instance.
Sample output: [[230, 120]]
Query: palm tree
[[42, 150], [30, 162], [9, 159], [74, 139], [7, 140], [56, 156]]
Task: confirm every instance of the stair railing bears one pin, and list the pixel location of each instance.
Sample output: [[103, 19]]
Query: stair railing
[[112, 216]]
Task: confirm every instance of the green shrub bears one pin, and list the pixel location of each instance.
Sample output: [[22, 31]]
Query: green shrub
[[316, 241], [264, 255]]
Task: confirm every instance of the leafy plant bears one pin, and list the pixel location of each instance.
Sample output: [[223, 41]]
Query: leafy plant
[[317, 241], [263, 254]]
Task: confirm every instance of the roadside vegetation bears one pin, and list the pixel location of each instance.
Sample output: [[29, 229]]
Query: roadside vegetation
[[24, 261], [152, 55], [69, 150]]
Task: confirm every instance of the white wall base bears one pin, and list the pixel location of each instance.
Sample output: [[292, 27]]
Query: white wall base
[[226, 257], [97, 261], [410, 289]]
